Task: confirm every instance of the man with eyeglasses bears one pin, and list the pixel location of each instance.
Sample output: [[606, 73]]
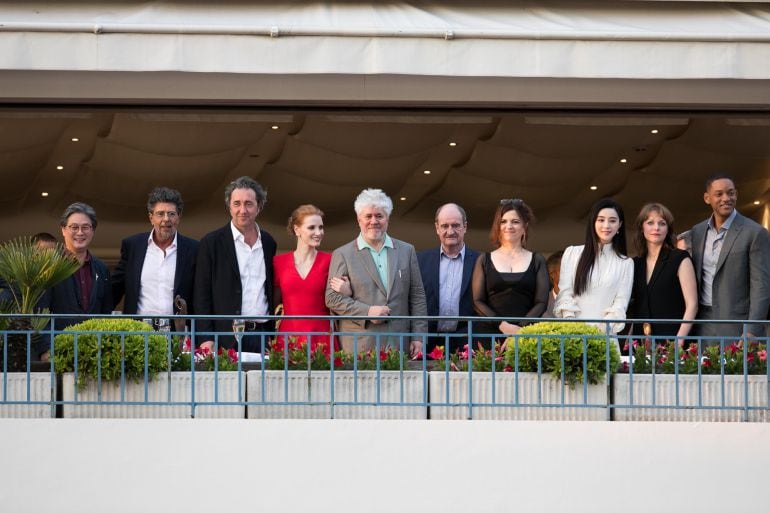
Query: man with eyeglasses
[[158, 266], [88, 291], [446, 275]]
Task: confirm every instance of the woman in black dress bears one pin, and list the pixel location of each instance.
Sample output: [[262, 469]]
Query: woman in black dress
[[511, 281], [664, 277]]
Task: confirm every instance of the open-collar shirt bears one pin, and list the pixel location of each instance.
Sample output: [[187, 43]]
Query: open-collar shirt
[[251, 265], [156, 293], [380, 256], [713, 247]]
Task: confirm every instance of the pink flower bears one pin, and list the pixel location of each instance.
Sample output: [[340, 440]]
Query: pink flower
[[625, 346], [437, 353], [762, 355]]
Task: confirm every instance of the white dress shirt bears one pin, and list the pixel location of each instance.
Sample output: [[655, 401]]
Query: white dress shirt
[[156, 290], [251, 265], [608, 291]]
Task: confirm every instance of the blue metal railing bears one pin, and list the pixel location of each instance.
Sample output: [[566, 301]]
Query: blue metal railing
[[725, 378]]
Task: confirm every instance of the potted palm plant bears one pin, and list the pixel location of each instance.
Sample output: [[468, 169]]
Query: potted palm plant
[[27, 271]]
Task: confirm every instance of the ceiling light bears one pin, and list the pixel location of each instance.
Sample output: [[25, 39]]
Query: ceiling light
[[75, 139], [403, 198], [623, 161], [274, 127], [453, 143], [654, 131], [59, 167], [593, 187], [426, 172], [757, 202], [44, 194]]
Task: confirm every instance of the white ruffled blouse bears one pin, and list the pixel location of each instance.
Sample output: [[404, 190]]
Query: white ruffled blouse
[[608, 291]]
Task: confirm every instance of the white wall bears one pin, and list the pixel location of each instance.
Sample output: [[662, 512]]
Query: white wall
[[372, 466]]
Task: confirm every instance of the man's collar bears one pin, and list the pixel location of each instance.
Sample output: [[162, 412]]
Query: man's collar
[[151, 240], [728, 222], [361, 243], [461, 254], [237, 235]]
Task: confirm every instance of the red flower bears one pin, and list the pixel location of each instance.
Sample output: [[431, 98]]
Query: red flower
[[418, 356], [437, 353], [337, 362], [233, 355], [625, 366], [732, 348], [693, 349], [707, 362], [383, 355], [508, 368], [750, 358], [625, 346]]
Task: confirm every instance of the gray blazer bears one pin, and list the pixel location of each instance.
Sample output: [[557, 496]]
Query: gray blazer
[[741, 287], [404, 295]]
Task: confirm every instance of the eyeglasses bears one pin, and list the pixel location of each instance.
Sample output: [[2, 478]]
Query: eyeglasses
[[454, 226], [83, 228], [161, 215]]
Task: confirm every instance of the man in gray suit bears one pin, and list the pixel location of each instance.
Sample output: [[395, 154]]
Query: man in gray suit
[[384, 278], [731, 255]]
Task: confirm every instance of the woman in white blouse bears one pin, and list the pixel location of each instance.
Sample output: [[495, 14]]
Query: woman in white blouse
[[596, 279]]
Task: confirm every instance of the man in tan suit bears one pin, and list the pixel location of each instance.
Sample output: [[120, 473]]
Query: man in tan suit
[[385, 280]]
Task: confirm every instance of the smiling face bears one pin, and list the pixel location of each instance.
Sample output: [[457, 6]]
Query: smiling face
[[655, 228], [164, 219], [512, 229], [450, 229], [721, 197], [78, 233], [310, 232], [244, 209], [607, 225], [373, 222]]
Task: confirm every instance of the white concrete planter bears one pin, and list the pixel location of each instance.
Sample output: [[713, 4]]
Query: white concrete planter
[[452, 402], [39, 390], [361, 388], [165, 388], [710, 395]]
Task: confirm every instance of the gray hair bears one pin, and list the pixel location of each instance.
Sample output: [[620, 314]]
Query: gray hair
[[373, 198], [458, 207], [165, 195], [246, 182], [78, 208]]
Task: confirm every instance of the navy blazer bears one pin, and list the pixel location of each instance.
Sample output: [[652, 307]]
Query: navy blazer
[[218, 289], [429, 269], [64, 298], [127, 278]]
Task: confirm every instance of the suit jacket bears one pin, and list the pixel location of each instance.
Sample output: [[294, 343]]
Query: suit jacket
[[741, 288], [64, 298], [127, 278], [429, 262], [218, 289], [404, 294]]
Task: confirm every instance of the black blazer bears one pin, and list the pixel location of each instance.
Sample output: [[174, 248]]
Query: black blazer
[[217, 288], [662, 297], [64, 298], [127, 277], [428, 261]]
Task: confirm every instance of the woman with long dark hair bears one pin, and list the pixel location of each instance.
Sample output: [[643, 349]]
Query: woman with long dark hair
[[664, 276], [511, 281], [596, 278]]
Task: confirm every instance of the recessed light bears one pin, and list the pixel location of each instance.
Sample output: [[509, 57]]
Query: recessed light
[[426, 172], [75, 139], [274, 127], [403, 198], [654, 131], [59, 167], [44, 194], [453, 143], [757, 202], [593, 187], [623, 161]]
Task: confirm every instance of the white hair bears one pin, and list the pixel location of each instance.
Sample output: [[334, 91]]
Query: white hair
[[373, 198]]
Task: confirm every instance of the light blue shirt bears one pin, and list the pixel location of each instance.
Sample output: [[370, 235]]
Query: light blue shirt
[[380, 257], [714, 241], [450, 280]]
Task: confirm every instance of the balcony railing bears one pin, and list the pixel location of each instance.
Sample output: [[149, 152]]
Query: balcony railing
[[147, 373]]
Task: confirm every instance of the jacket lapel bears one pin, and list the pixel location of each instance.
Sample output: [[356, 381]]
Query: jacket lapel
[[393, 267], [181, 254], [367, 262], [468, 263]]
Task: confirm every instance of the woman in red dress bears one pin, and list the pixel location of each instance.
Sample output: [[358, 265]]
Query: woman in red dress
[[300, 279]]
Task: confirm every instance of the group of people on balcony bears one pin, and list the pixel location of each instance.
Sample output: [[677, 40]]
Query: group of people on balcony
[[234, 272]]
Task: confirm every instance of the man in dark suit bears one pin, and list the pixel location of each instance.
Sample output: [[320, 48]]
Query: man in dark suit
[[731, 254], [446, 275], [157, 266], [87, 291], [234, 274]]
